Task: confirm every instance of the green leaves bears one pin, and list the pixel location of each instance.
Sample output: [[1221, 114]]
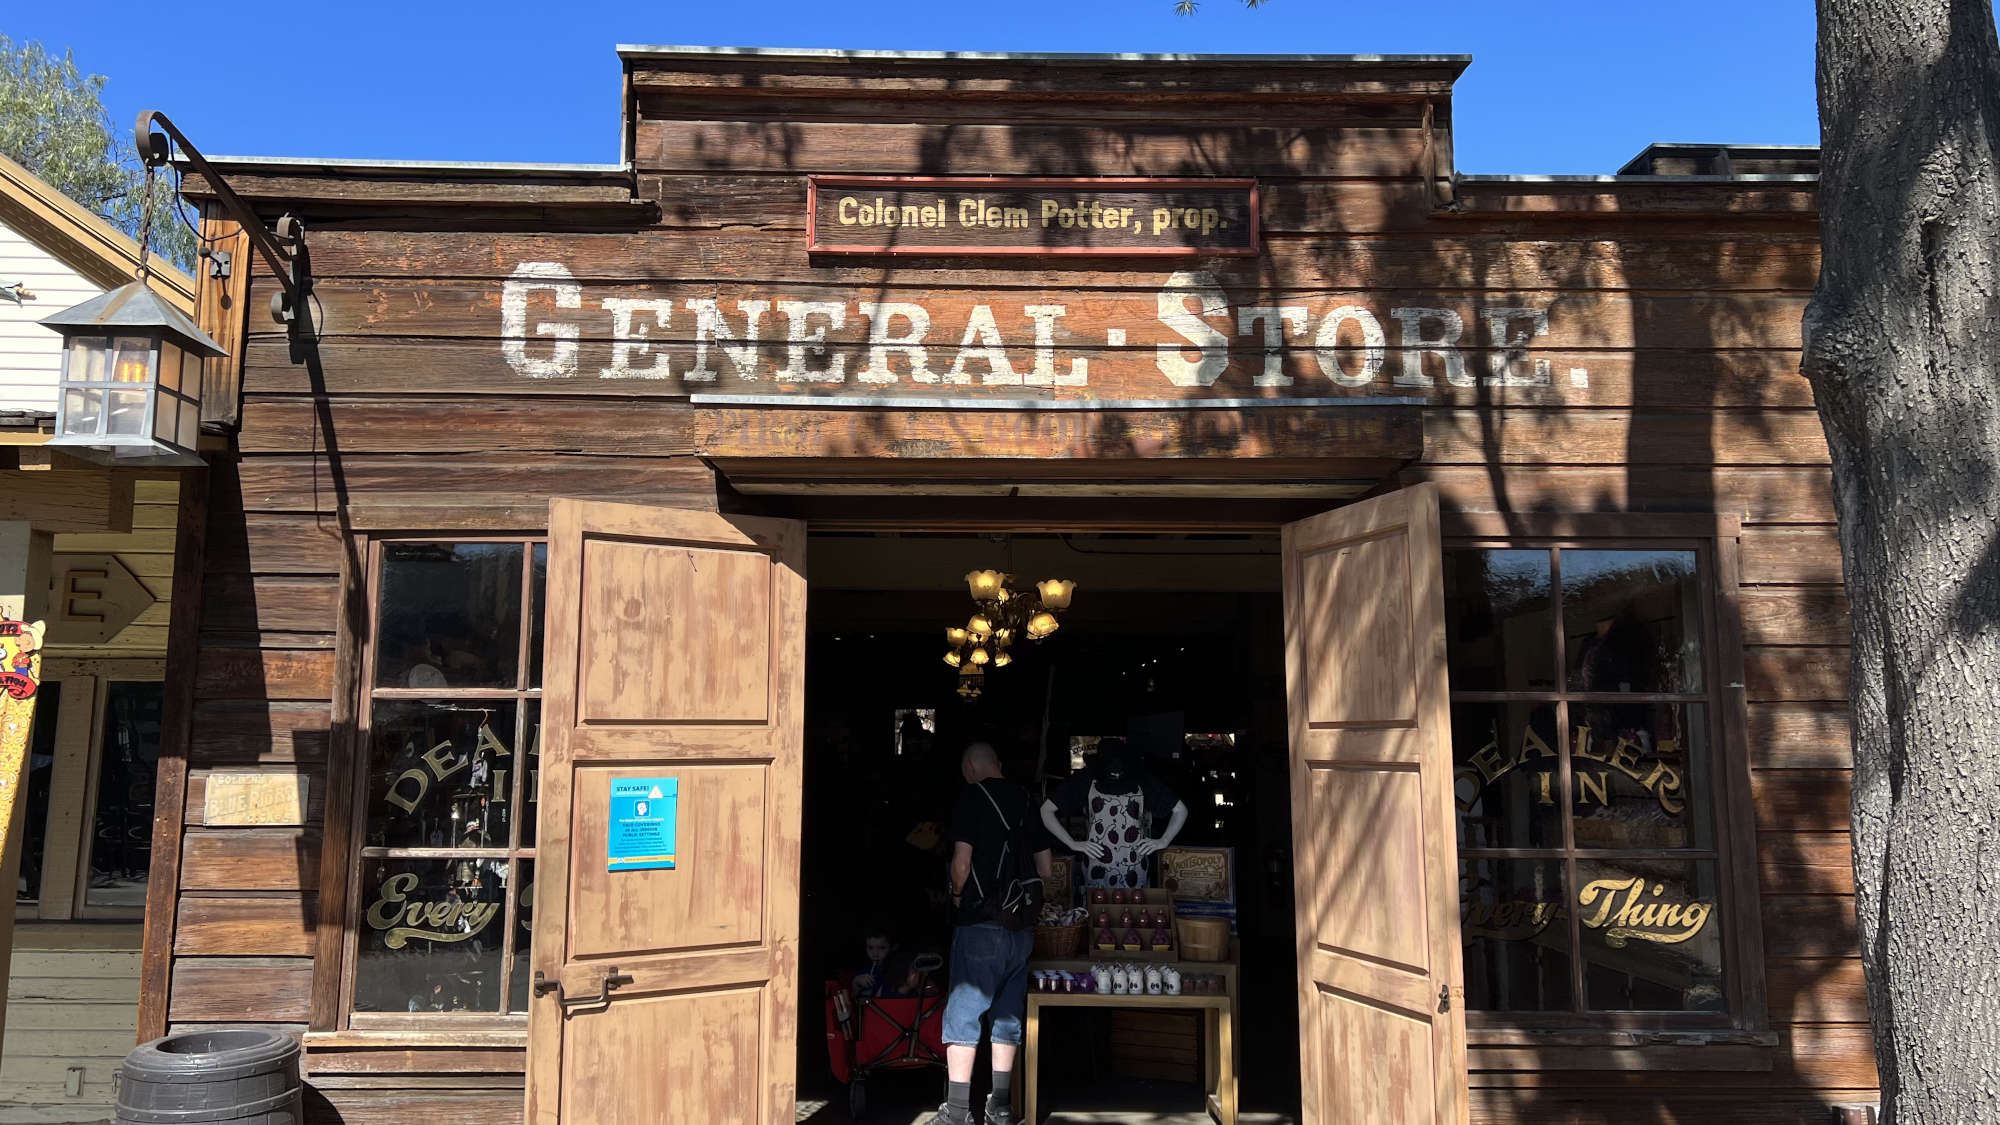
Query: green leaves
[[53, 122], [1187, 7]]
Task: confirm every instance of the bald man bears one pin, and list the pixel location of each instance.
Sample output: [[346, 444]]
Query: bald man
[[991, 830]]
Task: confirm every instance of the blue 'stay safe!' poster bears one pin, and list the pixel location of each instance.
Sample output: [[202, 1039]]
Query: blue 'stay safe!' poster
[[643, 812]]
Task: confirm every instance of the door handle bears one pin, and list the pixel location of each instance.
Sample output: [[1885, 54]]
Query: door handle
[[612, 979]]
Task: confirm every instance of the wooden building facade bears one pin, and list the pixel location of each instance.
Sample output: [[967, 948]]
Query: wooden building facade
[[89, 550], [1558, 368]]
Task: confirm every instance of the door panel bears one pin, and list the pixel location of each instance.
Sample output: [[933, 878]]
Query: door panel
[[1381, 996], [676, 648], [718, 901], [700, 1053]]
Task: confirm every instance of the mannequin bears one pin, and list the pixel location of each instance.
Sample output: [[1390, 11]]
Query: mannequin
[[1120, 798]]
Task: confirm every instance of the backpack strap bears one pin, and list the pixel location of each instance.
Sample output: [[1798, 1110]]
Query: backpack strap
[[1006, 844]]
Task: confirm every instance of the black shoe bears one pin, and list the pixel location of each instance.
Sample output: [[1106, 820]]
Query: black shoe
[[999, 1113], [946, 1115]]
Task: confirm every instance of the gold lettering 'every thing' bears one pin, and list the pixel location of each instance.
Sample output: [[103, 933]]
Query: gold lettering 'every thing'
[[1639, 915], [432, 921]]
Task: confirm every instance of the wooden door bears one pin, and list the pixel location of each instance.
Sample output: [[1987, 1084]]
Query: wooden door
[[1381, 990], [676, 645]]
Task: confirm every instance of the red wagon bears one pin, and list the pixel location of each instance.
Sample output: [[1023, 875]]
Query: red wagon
[[881, 1033]]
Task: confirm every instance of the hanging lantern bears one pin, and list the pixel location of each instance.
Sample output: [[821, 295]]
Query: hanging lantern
[[1056, 592], [970, 681], [130, 392]]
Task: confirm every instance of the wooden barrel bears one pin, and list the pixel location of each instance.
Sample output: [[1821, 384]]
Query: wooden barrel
[[244, 1076]]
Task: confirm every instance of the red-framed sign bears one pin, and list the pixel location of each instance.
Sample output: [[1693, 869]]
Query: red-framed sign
[[1100, 216]]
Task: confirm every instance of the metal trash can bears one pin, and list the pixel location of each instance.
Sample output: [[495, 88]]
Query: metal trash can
[[241, 1075]]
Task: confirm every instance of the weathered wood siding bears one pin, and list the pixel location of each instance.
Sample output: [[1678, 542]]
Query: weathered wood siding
[[1671, 345], [72, 1003]]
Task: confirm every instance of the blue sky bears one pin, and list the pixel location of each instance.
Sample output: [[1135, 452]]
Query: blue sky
[[1556, 86]]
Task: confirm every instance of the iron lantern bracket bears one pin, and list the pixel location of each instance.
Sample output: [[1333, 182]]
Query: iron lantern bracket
[[283, 249]]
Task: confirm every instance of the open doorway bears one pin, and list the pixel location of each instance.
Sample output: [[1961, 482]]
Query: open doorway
[[1172, 645]]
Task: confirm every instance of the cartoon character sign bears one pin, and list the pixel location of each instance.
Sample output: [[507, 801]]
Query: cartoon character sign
[[20, 659]]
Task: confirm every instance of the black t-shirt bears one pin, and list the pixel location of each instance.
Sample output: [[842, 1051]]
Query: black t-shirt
[[975, 821], [1072, 796]]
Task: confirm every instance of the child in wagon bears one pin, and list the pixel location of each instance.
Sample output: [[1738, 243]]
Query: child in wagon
[[886, 973]]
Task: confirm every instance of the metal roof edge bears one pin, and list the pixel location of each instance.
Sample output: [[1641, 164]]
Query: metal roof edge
[[1775, 178], [648, 50], [437, 167], [1729, 144]]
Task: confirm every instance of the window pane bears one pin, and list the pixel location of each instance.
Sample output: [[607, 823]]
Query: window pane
[[128, 412], [1506, 775], [441, 774], [430, 935], [1652, 940], [41, 765], [1517, 956], [82, 411], [132, 361], [87, 357], [524, 926], [1499, 623], [531, 776], [538, 586], [450, 615], [166, 419], [121, 846], [1641, 776], [1631, 621], [170, 365]]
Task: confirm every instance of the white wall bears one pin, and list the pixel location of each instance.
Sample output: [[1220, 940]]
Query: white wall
[[30, 355]]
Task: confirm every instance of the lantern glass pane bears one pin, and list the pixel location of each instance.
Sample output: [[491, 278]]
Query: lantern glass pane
[[166, 418], [127, 411], [190, 426], [191, 376], [133, 360], [87, 356], [170, 366], [82, 410]]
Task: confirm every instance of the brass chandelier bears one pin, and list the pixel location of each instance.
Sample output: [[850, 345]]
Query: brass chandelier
[[1001, 616]]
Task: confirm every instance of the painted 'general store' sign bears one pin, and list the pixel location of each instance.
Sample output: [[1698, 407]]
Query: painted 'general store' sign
[[1188, 333]]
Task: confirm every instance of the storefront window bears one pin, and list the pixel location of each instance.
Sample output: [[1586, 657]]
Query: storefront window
[[453, 711], [1585, 781], [41, 767], [121, 843]]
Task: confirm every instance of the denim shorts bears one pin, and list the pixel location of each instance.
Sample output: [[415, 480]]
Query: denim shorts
[[989, 973]]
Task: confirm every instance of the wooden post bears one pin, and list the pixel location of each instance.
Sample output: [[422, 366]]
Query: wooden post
[[24, 585]]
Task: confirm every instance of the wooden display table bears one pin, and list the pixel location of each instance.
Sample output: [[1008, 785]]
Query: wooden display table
[[1218, 1027]]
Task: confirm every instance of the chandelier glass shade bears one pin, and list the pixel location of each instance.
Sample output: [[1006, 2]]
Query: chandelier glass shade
[[1000, 616]]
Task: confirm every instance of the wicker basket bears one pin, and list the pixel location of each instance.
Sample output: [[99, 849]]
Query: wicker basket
[[1058, 943], [1203, 939]]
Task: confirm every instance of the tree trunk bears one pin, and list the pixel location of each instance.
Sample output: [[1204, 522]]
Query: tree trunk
[[1903, 351]]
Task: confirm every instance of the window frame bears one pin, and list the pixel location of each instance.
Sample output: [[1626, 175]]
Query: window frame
[[70, 829], [365, 694], [1715, 541]]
